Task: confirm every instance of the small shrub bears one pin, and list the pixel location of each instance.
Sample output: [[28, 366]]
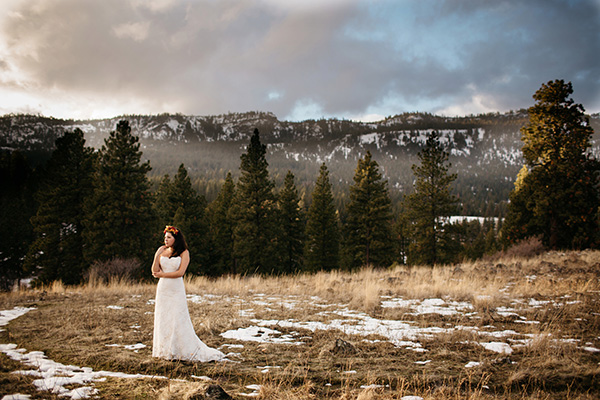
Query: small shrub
[[526, 248], [119, 269]]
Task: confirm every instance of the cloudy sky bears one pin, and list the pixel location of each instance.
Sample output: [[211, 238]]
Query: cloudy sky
[[353, 59]]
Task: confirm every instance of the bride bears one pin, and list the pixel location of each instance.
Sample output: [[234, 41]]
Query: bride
[[174, 335]]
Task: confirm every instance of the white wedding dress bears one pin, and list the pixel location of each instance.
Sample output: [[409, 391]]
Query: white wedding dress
[[174, 335]]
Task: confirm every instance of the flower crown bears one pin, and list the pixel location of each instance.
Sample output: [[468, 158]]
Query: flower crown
[[171, 229]]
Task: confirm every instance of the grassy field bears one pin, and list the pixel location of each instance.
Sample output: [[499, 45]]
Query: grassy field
[[512, 328]]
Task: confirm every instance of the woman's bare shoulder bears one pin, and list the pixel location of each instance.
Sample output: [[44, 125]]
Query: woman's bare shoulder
[[162, 250]]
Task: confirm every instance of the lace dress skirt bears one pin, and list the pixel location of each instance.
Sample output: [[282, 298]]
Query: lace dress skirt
[[174, 335]]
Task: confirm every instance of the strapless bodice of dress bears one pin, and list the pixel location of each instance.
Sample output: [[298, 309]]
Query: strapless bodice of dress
[[170, 264]]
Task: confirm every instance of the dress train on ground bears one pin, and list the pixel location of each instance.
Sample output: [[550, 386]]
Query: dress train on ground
[[174, 335]]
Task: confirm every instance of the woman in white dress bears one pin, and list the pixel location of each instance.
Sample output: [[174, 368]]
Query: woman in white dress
[[174, 335]]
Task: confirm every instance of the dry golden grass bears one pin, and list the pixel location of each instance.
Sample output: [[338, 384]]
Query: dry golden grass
[[554, 298]]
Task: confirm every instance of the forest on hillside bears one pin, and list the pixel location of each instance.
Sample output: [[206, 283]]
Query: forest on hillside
[[369, 195], [70, 194]]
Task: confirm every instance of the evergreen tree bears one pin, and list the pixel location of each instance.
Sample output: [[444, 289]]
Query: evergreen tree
[[292, 226], [57, 252], [491, 245], [321, 251], [221, 229], [186, 209], [368, 230], [255, 210], [402, 235], [474, 242], [119, 220], [430, 205], [556, 195], [162, 206], [19, 183]]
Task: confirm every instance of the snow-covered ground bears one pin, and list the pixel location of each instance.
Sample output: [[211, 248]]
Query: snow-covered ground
[[404, 334], [54, 377]]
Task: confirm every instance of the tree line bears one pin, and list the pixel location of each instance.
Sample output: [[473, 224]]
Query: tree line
[[98, 206]]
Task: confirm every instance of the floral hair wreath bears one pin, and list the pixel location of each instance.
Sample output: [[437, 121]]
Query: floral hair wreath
[[171, 229]]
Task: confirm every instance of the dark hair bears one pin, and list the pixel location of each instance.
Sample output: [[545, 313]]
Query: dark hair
[[180, 244]]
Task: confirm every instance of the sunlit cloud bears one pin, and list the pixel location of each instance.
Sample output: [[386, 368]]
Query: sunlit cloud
[[305, 109], [137, 31], [353, 59]]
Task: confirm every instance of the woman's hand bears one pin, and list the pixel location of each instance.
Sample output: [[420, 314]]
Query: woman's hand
[[156, 263], [157, 274]]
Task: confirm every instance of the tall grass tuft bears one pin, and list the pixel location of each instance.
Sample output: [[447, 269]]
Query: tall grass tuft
[[57, 287]]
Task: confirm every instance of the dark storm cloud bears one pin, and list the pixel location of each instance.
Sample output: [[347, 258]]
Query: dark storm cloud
[[345, 57], [529, 43]]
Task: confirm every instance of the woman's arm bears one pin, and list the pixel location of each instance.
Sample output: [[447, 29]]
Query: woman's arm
[[156, 262], [185, 261]]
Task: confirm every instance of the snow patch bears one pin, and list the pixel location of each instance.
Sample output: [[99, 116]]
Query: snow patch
[[428, 306], [54, 376], [498, 347], [8, 315], [259, 334], [173, 124], [17, 396], [255, 393]]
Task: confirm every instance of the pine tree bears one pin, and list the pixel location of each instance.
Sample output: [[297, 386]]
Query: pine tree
[[321, 251], [429, 205], [556, 195], [186, 209], [17, 205], [402, 235], [292, 226], [221, 230], [119, 220], [474, 241], [491, 245], [368, 230], [57, 252], [255, 210], [162, 202]]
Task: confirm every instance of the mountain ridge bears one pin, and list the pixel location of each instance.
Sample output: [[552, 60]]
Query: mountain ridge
[[485, 150]]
